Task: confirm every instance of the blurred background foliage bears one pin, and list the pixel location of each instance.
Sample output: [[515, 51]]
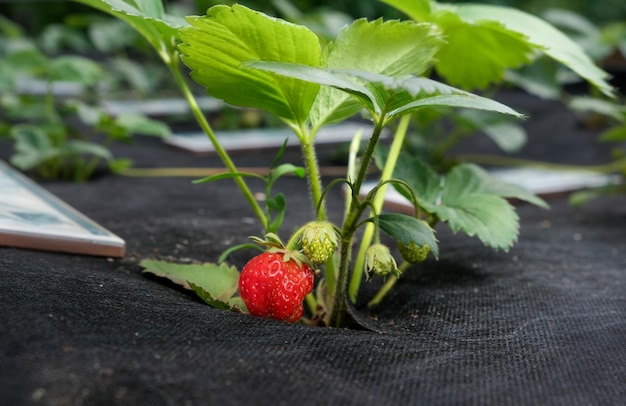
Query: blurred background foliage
[[61, 27], [37, 14]]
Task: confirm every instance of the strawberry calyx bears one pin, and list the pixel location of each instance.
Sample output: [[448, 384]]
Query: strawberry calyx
[[275, 245], [379, 261]]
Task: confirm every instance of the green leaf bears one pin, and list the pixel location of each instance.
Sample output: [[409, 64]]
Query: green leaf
[[140, 77], [404, 94], [450, 97], [337, 80], [26, 61], [408, 93], [406, 229], [553, 42], [615, 134], [418, 10], [80, 147], [486, 48], [122, 126], [149, 19], [136, 123], [392, 48], [10, 29], [467, 198], [580, 198], [510, 137], [32, 146], [21, 109], [234, 303], [471, 204], [110, 36], [607, 108], [540, 78], [87, 114], [216, 284], [489, 39], [477, 180], [423, 180], [74, 69], [507, 134], [285, 169], [490, 218], [119, 165], [216, 45], [278, 204], [55, 38]]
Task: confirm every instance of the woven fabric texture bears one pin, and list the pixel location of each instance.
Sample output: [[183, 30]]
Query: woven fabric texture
[[544, 323]]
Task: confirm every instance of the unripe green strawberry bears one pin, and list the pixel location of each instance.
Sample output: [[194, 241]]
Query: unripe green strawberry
[[273, 285], [413, 253], [319, 241], [378, 260]]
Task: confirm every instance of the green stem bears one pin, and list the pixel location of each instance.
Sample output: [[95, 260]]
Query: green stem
[[339, 294], [294, 240], [315, 181], [311, 302], [330, 267], [367, 155], [377, 204], [351, 172], [330, 273], [390, 283], [221, 152], [339, 308]]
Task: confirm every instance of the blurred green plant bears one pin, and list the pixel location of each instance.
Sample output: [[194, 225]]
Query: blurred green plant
[[606, 44], [499, 47], [48, 110]]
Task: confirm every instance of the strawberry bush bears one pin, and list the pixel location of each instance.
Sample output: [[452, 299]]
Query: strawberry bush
[[377, 68]]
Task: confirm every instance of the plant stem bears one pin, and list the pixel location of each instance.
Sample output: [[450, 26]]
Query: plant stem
[[339, 305], [313, 176], [338, 309], [221, 152], [367, 155], [351, 172], [330, 267], [390, 283], [311, 302], [330, 274], [377, 204]]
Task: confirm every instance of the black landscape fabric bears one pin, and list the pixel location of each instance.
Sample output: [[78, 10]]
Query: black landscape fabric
[[544, 323]]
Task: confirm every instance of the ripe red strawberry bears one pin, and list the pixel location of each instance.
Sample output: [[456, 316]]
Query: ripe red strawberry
[[274, 286]]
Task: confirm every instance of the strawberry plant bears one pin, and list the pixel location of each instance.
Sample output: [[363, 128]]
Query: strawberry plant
[[377, 68]]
